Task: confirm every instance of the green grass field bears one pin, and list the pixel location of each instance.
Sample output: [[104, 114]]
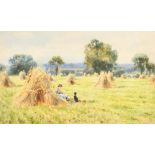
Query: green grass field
[[128, 101]]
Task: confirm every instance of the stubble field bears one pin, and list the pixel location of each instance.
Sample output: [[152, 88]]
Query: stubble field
[[128, 101]]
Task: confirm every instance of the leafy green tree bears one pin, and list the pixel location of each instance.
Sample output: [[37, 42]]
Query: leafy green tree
[[150, 67], [57, 61], [2, 67], [140, 62], [21, 62], [100, 56]]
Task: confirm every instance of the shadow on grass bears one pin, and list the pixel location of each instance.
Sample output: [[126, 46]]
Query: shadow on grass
[[82, 101]]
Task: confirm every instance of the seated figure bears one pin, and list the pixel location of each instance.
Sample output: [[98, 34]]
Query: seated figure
[[59, 92]]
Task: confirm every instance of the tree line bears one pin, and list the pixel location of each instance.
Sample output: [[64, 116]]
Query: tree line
[[99, 56]]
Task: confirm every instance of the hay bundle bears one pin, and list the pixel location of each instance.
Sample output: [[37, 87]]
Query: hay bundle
[[153, 80], [37, 90], [22, 75], [104, 81], [110, 76], [137, 75], [142, 77], [61, 74], [5, 80], [50, 77], [96, 74], [71, 79], [84, 74], [123, 76]]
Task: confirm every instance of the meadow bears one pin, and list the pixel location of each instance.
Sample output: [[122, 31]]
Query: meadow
[[128, 101]]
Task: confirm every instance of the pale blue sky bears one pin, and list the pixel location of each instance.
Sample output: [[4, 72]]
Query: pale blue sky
[[70, 45]]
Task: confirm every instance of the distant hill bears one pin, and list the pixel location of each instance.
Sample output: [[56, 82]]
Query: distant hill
[[67, 66], [126, 67]]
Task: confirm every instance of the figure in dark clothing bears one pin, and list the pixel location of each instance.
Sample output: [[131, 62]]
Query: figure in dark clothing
[[75, 97]]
